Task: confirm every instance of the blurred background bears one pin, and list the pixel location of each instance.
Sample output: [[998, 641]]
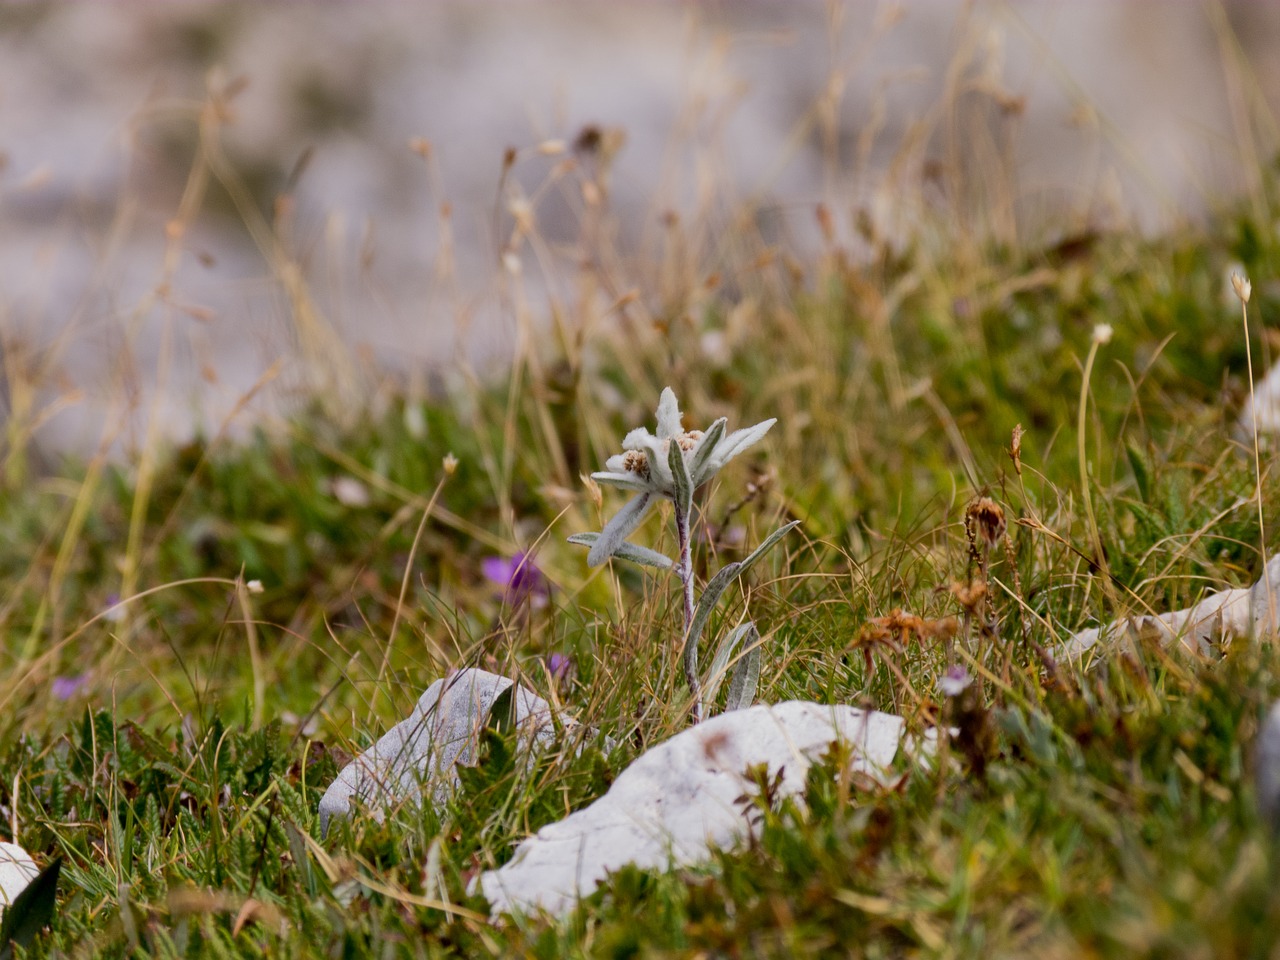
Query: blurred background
[[210, 212]]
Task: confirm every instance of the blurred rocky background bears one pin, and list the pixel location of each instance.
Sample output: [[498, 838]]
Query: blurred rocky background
[[210, 210]]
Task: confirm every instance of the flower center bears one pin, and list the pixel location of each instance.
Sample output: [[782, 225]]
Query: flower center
[[688, 441], [633, 461]]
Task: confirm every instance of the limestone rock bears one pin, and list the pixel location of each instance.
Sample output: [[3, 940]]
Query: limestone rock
[[1217, 618], [419, 754], [682, 797], [1262, 410], [1267, 768], [17, 870]]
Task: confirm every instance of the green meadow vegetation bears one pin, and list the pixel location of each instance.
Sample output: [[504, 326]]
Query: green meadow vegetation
[[197, 638]]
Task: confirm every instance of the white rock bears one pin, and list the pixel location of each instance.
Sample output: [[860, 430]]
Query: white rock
[[1267, 768], [17, 870], [680, 799], [1264, 600], [1262, 410], [421, 752], [1218, 618]]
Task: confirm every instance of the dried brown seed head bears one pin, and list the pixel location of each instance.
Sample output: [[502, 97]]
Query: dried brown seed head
[[969, 595], [984, 519], [1015, 449], [943, 629]]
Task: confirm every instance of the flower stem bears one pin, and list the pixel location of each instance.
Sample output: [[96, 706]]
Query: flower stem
[[685, 570]]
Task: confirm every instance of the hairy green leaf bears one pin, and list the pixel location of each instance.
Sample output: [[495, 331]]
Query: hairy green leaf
[[745, 634], [627, 550], [746, 676]]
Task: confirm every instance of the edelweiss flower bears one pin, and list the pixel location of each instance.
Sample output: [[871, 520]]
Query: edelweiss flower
[[645, 467]]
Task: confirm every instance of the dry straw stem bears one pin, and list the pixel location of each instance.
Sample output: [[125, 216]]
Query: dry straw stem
[[408, 569], [1256, 128], [255, 654], [1101, 335], [50, 604], [176, 231], [330, 373], [1244, 290], [28, 672]]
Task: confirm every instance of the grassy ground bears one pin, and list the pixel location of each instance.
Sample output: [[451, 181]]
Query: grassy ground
[[172, 749]]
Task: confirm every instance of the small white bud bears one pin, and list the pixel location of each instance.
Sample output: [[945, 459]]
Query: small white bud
[[1102, 333], [254, 586], [1243, 288], [350, 492], [955, 682], [450, 465]]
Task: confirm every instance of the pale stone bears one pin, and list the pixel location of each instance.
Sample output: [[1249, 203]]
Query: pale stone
[[420, 753], [1217, 619], [1267, 768], [17, 870], [681, 798], [1261, 412], [1264, 600]]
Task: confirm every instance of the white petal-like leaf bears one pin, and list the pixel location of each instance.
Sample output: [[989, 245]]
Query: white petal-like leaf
[[701, 453], [736, 442], [618, 529], [669, 421], [659, 469], [635, 439]]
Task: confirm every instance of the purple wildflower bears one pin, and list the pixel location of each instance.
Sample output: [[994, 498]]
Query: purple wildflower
[[519, 578], [64, 688], [559, 665]]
